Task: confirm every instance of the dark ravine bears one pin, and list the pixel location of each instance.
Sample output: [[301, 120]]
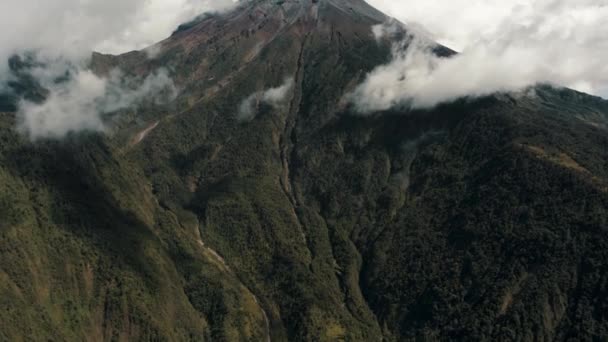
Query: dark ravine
[[482, 219]]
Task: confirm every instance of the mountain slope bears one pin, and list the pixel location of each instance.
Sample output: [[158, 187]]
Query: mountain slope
[[479, 219]]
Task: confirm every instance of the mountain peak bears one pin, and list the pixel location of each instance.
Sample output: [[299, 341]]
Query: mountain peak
[[237, 36], [261, 12]]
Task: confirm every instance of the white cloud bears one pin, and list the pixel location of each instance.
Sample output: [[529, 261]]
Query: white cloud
[[507, 46], [455, 23], [393, 28], [64, 33], [273, 96], [78, 103], [74, 28], [69, 108], [156, 19], [504, 43]]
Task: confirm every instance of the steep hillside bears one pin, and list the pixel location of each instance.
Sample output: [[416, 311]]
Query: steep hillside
[[482, 219]]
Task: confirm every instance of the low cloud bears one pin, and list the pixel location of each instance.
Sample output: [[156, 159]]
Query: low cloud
[[79, 100], [393, 29], [555, 41], [418, 78], [73, 29], [64, 33], [273, 96]]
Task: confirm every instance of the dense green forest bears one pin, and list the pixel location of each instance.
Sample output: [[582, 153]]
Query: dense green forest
[[483, 219]]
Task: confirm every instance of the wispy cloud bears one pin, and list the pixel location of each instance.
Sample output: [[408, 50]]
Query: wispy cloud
[[79, 100], [63, 34], [273, 96]]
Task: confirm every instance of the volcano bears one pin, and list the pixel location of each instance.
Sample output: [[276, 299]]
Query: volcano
[[258, 206]]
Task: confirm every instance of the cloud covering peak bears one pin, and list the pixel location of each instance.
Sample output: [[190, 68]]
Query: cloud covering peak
[[541, 49], [505, 43]]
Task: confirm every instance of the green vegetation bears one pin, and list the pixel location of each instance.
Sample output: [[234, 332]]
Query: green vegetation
[[479, 220]]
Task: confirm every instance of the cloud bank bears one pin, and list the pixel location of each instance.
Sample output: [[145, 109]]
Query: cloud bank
[[548, 50], [505, 44], [273, 96], [417, 78]]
